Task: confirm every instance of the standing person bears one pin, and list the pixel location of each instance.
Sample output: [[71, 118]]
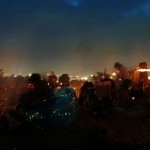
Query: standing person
[[122, 73], [122, 96]]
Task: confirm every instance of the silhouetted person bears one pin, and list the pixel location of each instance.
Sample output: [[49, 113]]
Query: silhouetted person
[[112, 98], [85, 90], [122, 73], [64, 80], [37, 89], [122, 100], [52, 80]]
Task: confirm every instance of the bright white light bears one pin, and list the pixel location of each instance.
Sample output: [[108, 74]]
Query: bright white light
[[91, 75], [84, 78], [143, 70], [113, 74], [29, 74]]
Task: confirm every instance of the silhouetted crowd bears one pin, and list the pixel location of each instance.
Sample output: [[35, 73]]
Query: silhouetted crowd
[[119, 95], [100, 97]]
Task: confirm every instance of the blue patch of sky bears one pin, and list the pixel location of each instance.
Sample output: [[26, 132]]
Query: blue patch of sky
[[74, 3], [140, 8]]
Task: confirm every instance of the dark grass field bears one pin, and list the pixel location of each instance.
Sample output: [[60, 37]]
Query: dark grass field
[[87, 132]]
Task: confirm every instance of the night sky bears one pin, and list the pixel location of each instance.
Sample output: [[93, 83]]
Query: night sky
[[73, 36]]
